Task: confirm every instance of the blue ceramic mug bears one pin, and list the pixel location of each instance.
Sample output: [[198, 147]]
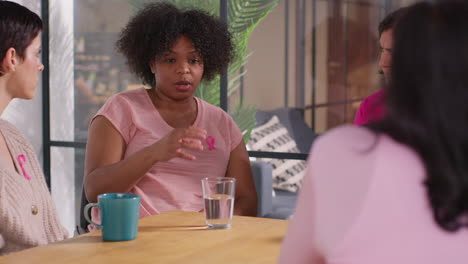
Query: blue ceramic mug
[[119, 215]]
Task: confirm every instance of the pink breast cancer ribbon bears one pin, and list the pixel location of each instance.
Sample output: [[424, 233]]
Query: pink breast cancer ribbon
[[211, 142], [22, 160]]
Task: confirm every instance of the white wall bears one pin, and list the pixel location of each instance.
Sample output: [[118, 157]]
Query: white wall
[[265, 66], [62, 109]]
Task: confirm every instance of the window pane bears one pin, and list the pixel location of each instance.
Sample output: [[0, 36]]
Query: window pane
[[318, 56], [66, 184], [61, 70], [99, 71]]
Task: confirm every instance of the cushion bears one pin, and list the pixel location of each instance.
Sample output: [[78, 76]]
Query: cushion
[[293, 120], [273, 136]]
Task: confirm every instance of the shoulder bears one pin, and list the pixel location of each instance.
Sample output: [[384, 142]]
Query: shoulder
[[372, 99], [7, 126], [370, 109], [375, 96], [10, 131], [126, 102], [209, 107], [346, 137], [358, 144], [212, 111], [131, 95], [349, 146]]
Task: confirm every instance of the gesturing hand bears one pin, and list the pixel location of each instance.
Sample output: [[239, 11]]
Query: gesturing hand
[[173, 144]]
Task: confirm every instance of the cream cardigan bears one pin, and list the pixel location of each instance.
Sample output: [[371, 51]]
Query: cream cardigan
[[28, 216]]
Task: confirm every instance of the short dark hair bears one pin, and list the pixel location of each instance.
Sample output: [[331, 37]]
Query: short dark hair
[[426, 102], [390, 20], [18, 27], [154, 29]]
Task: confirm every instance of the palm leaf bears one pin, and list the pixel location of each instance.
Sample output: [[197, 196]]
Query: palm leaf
[[246, 14], [244, 116]]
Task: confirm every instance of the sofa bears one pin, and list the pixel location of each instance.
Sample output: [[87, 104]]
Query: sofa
[[273, 202]]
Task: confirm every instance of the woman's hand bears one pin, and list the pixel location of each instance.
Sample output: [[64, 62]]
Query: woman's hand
[[177, 141], [105, 153]]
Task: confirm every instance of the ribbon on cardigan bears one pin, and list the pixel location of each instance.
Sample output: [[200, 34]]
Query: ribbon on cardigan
[[22, 160]]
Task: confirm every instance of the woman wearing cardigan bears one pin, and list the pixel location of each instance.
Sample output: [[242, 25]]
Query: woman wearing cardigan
[[28, 216]]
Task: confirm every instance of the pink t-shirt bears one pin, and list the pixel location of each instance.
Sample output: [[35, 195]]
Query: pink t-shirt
[[363, 200], [371, 109], [173, 184]]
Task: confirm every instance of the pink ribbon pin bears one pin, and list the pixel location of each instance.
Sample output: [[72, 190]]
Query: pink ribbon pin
[[211, 142], [22, 160]]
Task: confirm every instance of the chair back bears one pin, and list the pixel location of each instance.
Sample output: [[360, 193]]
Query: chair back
[[82, 226]]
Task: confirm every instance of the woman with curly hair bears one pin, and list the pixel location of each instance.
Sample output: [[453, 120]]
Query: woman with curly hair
[[160, 142], [400, 191], [28, 216]]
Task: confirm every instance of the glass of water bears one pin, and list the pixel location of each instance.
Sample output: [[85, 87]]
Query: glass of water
[[219, 194]]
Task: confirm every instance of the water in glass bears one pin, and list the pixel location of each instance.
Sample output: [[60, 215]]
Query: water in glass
[[218, 210]]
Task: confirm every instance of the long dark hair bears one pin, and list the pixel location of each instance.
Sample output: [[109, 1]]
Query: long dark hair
[[18, 27], [427, 101]]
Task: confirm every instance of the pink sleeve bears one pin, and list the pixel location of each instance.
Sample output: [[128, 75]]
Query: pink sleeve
[[371, 109], [299, 245], [119, 112], [360, 118], [234, 130]]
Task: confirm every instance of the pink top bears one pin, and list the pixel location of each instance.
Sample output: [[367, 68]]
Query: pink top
[[372, 208], [371, 109], [173, 184]]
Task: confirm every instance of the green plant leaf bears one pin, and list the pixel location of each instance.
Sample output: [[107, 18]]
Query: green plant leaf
[[244, 116]]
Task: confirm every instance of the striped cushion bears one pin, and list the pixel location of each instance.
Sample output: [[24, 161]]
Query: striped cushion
[[273, 136]]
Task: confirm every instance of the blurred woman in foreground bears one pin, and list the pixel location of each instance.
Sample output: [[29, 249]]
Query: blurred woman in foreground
[[400, 191]]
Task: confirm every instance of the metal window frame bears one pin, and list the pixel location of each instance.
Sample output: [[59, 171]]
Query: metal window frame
[[46, 92]]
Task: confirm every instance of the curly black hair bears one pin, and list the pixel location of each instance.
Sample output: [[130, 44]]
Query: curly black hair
[[155, 28]]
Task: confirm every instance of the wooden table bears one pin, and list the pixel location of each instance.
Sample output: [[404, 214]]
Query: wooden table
[[171, 237]]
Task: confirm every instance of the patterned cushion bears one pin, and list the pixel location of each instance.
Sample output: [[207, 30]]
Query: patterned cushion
[[293, 120], [273, 136]]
